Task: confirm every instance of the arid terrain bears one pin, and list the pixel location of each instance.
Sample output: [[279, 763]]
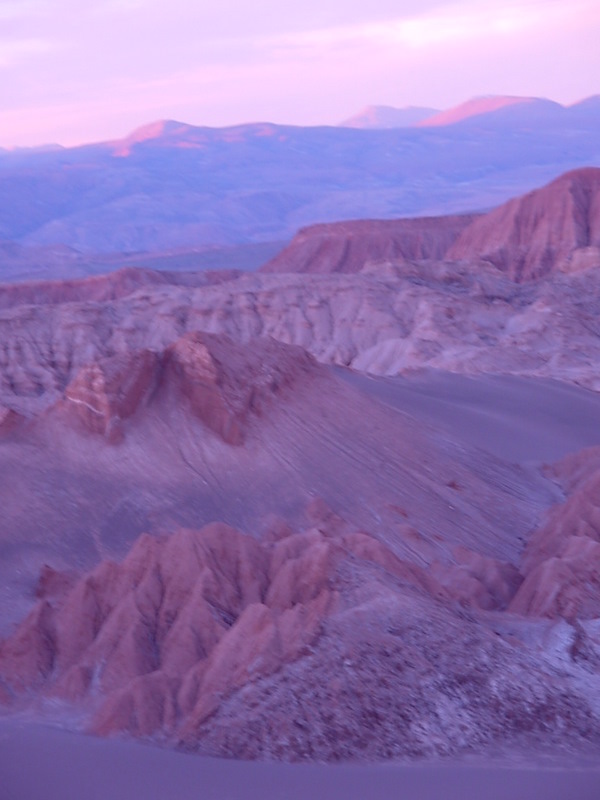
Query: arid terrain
[[341, 508], [170, 186]]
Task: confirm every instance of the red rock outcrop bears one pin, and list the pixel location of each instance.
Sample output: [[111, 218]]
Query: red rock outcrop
[[566, 586], [104, 393], [222, 384], [193, 635], [9, 419], [553, 228], [53, 582], [156, 642], [348, 246], [478, 581], [561, 563]]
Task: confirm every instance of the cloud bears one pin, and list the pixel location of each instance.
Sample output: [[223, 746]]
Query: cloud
[[118, 6], [15, 9], [447, 24], [119, 63], [14, 52]]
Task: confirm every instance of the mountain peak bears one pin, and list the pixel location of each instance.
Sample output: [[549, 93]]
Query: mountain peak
[[388, 117], [159, 131], [487, 104]]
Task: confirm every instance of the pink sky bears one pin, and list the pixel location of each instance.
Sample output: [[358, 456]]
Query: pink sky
[[72, 72]]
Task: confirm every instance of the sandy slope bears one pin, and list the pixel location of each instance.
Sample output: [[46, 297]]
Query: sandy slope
[[518, 419], [73, 498], [429, 520]]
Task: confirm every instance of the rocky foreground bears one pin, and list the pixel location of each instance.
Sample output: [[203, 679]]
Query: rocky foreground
[[216, 535]]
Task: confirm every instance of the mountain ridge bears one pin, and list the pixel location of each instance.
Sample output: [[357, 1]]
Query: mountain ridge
[[555, 227], [184, 186], [377, 116]]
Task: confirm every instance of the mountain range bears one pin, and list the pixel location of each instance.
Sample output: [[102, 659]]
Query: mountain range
[[173, 187]]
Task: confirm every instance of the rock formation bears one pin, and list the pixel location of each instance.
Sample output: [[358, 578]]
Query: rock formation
[[190, 627], [349, 246], [104, 288], [219, 383], [556, 228], [388, 319], [562, 561], [156, 642], [108, 391]]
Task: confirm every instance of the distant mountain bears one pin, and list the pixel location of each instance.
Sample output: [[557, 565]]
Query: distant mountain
[[586, 110], [388, 117], [170, 133], [171, 186], [497, 108]]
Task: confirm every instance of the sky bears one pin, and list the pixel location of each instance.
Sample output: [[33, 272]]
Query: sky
[[73, 71]]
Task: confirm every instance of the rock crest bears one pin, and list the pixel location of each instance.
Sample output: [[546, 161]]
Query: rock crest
[[552, 229], [222, 384], [157, 641]]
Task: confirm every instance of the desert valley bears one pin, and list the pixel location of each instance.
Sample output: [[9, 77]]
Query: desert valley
[[322, 497]]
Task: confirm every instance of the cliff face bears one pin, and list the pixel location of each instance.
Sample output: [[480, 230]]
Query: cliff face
[[321, 643], [349, 246], [561, 563], [553, 229], [556, 228], [161, 638]]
